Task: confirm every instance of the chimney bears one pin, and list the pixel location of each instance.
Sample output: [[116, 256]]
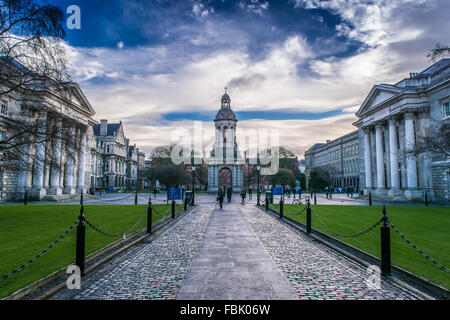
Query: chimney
[[103, 127], [328, 141]]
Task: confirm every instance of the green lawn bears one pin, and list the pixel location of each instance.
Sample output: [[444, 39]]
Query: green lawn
[[26, 230], [428, 228]]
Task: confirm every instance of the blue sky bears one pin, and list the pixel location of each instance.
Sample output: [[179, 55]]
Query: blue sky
[[289, 65]]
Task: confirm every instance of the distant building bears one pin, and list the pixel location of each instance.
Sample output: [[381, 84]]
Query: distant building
[[301, 165], [117, 163], [225, 165], [339, 157]]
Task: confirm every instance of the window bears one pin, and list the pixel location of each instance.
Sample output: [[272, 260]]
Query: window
[[446, 109], [4, 107], [2, 136]]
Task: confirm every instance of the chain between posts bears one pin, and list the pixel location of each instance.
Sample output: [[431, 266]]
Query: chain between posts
[[162, 214], [417, 249], [343, 234], [23, 266], [299, 212], [114, 235]]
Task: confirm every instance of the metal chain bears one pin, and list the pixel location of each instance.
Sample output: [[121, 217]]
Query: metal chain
[[114, 235], [343, 234], [6, 276], [417, 249], [290, 212], [167, 211]]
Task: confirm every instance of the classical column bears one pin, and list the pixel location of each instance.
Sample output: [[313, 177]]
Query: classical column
[[379, 155], [411, 165], [70, 154], [367, 159], [425, 158], [38, 191], [24, 162], [81, 161], [393, 154], [56, 160]]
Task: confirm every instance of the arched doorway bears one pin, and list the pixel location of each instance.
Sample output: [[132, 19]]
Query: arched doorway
[[225, 177]]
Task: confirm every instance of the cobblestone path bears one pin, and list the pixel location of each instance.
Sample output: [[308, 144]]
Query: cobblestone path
[[231, 263], [149, 271], [239, 252], [313, 270]]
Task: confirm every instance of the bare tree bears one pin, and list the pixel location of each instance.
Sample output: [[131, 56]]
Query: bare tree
[[436, 141], [31, 51], [439, 51]]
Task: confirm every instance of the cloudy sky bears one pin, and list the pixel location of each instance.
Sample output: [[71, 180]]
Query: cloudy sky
[[300, 66]]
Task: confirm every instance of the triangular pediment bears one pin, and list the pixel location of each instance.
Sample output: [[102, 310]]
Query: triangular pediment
[[75, 96], [78, 98], [376, 97]]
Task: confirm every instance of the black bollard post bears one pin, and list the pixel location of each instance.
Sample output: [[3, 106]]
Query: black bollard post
[[281, 208], [81, 198], [25, 199], [426, 198], [149, 215], [315, 199], [370, 198], [308, 217], [257, 197], [136, 198], [185, 203], [173, 209], [193, 203], [385, 245], [81, 237], [267, 203]]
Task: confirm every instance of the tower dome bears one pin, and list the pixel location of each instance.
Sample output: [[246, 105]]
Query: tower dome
[[225, 112], [226, 100]]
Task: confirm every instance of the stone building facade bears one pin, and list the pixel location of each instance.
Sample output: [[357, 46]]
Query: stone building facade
[[49, 167], [225, 162], [339, 157], [392, 121], [69, 152]]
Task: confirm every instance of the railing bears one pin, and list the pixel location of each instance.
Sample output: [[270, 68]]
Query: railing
[[384, 221], [81, 234]]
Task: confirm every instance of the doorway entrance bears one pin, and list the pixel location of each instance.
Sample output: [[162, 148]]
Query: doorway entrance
[[225, 177]]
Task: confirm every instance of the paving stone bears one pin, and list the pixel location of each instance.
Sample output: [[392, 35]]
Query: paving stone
[[149, 271], [314, 270]]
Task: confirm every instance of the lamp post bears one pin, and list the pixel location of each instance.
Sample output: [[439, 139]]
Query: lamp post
[[258, 167], [193, 183]]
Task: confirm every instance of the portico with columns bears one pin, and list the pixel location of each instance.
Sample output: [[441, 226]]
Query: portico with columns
[[54, 165]]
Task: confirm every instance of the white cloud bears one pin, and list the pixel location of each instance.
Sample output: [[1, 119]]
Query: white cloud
[[144, 83]]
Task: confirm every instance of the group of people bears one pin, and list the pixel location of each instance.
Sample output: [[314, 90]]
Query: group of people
[[229, 192], [330, 190]]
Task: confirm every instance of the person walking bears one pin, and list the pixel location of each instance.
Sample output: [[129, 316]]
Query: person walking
[[326, 191], [300, 191], [250, 190], [229, 194], [221, 196], [243, 195]]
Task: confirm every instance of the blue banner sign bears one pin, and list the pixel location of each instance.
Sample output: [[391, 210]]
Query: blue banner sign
[[277, 190], [175, 194]]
